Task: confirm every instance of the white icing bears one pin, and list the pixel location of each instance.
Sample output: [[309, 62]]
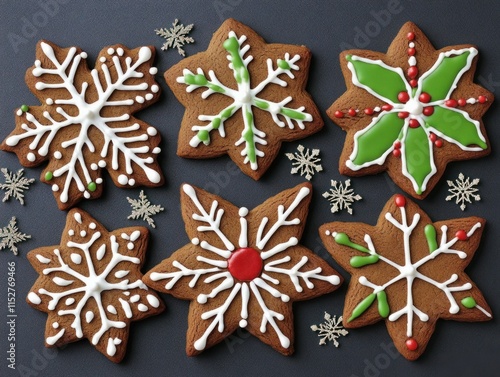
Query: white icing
[[153, 301], [69, 301], [42, 259], [34, 298], [51, 340], [89, 316]]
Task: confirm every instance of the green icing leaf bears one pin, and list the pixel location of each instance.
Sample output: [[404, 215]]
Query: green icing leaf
[[453, 124], [385, 81], [440, 82], [377, 139], [431, 236], [358, 261], [418, 159], [383, 305], [362, 306]]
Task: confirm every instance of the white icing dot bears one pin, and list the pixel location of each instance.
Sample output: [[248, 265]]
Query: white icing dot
[[92, 226], [119, 51], [243, 323], [102, 164], [55, 188], [243, 212], [195, 241], [111, 309], [94, 166], [126, 293], [89, 316], [111, 51], [151, 131], [69, 301], [411, 44], [121, 274], [131, 182], [139, 99], [155, 88], [57, 155], [49, 101], [76, 258], [42, 259], [130, 245], [19, 112], [122, 179], [153, 70], [83, 233], [327, 232], [83, 55], [142, 308], [153, 301], [98, 181], [86, 195], [149, 97], [34, 298], [135, 298], [202, 299], [102, 59], [156, 150], [55, 325], [31, 157], [71, 232]]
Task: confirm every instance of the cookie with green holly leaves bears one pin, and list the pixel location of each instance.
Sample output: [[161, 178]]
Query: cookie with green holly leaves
[[410, 111], [408, 271], [243, 97]]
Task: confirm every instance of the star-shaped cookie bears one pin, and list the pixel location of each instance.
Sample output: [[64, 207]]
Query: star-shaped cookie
[[410, 111], [408, 271], [90, 285], [243, 97], [243, 268]]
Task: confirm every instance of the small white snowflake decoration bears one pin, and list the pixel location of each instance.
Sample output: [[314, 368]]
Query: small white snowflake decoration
[[142, 208], [330, 330], [15, 184], [341, 196], [463, 190], [305, 163], [177, 36], [10, 236]]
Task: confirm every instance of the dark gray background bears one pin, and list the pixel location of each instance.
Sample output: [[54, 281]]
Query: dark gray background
[[156, 345]]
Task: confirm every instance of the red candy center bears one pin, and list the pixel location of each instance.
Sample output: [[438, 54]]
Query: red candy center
[[400, 200], [461, 235], [245, 264], [411, 344]]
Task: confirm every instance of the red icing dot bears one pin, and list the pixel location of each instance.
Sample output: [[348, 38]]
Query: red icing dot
[[452, 103], [433, 137], [413, 83], [414, 123], [403, 114], [245, 264], [352, 112], [412, 72], [410, 36], [411, 51], [368, 111], [397, 144], [461, 235], [400, 200], [403, 97], [428, 111], [411, 344], [387, 107], [424, 97], [438, 143], [481, 99], [396, 152], [462, 102], [339, 114]]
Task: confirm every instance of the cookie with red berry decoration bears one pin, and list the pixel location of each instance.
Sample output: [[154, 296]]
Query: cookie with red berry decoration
[[243, 269], [243, 97], [410, 111], [408, 271]]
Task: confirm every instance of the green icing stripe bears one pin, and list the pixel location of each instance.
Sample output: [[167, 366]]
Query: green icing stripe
[[418, 158], [455, 125], [241, 74], [343, 239], [381, 79], [430, 234], [362, 306], [383, 305], [249, 137], [440, 81], [261, 104], [358, 261], [292, 113], [378, 139]]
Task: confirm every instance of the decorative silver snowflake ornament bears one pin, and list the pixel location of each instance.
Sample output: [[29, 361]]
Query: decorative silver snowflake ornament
[[463, 190], [10, 236], [330, 330], [177, 36], [142, 208], [15, 184], [341, 196], [306, 163]]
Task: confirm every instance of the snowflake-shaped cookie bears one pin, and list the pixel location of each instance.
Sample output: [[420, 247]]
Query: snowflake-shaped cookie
[[85, 122], [90, 285], [243, 268], [412, 268], [410, 111], [243, 97]]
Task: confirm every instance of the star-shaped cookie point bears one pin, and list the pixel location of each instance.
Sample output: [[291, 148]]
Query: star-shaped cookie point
[[410, 111], [243, 97], [243, 268], [91, 285], [409, 271], [85, 122]]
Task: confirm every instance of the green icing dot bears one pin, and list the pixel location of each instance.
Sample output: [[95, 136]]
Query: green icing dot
[[231, 44], [283, 64], [24, 108], [227, 112], [203, 135], [469, 302], [92, 186], [216, 123], [49, 176]]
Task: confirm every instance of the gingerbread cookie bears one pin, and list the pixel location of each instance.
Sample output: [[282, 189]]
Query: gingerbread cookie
[[410, 111], [243, 268], [408, 271], [243, 97], [86, 123], [90, 285]]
